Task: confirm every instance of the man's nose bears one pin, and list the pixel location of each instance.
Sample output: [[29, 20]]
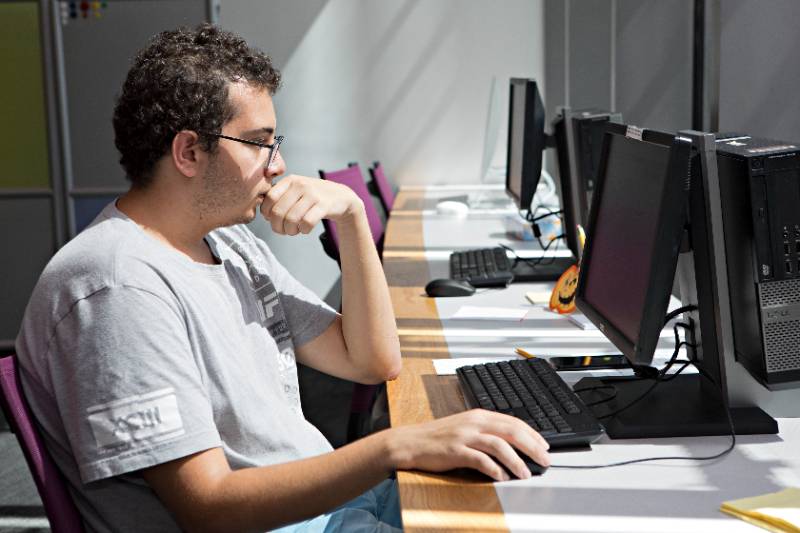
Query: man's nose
[[277, 166]]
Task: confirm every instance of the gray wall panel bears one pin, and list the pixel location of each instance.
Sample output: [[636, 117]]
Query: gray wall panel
[[760, 69], [652, 42], [654, 63], [97, 55], [590, 38], [27, 236], [555, 56]]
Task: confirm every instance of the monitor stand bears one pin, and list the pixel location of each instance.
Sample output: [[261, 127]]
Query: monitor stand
[[550, 269], [680, 407]]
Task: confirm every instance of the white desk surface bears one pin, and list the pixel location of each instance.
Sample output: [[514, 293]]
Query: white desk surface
[[659, 496]]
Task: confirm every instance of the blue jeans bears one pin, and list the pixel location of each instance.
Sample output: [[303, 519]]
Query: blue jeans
[[375, 511]]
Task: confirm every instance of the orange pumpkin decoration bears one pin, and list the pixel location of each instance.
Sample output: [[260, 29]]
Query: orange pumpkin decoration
[[563, 298]]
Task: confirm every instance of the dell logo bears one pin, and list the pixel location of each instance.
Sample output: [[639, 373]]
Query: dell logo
[[778, 313]]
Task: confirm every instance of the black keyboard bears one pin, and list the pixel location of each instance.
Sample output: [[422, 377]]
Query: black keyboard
[[486, 267], [531, 390]]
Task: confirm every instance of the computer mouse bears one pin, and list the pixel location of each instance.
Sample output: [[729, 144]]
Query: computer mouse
[[535, 468], [452, 208], [449, 287]]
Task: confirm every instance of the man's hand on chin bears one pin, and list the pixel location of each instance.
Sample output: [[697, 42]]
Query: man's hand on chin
[[297, 203]]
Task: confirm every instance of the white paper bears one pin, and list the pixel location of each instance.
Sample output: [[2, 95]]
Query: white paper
[[491, 313], [538, 297], [447, 367], [580, 320]]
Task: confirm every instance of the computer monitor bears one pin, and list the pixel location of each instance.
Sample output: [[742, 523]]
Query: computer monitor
[[526, 141], [630, 260], [578, 136], [589, 127], [650, 185]]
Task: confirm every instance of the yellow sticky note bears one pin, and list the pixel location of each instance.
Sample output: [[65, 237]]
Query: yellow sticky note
[[778, 511]]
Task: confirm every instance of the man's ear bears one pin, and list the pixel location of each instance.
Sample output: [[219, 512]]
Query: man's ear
[[188, 155]]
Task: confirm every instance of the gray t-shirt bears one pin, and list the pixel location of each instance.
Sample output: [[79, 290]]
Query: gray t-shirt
[[133, 355]]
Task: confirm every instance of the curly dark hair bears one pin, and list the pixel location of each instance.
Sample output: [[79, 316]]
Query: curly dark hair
[[179, 81]]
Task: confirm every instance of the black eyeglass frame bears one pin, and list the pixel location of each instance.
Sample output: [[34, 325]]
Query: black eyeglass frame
[[273, 148]]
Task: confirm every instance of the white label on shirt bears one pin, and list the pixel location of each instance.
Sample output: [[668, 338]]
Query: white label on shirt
[[144, 416]]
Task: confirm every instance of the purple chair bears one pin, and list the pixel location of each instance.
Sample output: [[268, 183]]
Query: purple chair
[[61, 511], [352, 177], [382, 187], [363, 395]]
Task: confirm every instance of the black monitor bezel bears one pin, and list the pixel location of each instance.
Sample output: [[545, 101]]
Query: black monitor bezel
[[583, 127], [533, 143], [664, 256], [574, 203], [568, 130]]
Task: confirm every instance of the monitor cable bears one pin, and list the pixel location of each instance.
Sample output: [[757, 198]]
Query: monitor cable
[[646, 372], [533, 261], [529, 216], [533, 218], [723, 453], [661, 376]]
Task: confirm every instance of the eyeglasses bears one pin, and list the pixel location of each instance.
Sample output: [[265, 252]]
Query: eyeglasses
[[273, 148]]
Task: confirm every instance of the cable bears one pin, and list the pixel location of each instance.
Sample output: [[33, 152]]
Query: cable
[[529, 216], [675, 312], [600, 387], [723, 453], [532, 261], [660, 379], [655, 374], [552, 259]]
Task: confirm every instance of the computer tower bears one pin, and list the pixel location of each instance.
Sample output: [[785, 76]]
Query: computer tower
[[760, 190]]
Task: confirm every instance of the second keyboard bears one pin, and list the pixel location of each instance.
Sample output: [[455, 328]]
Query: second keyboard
[[485, 267]]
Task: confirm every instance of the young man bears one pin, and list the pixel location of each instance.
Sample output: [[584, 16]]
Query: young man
[[159, 348]]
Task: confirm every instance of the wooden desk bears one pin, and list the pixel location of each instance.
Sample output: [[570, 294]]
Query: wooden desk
[[678, 496], [430, 502]]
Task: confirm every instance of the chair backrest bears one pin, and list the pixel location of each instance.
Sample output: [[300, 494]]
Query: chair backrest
[[352, 177], [385, 191], [60, 509]]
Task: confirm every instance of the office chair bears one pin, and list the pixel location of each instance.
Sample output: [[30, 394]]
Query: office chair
[[60, 509], [381, 186], [351, 177], [363, 395]]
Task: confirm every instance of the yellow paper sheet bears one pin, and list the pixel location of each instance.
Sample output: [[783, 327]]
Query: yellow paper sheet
[[778, 511]]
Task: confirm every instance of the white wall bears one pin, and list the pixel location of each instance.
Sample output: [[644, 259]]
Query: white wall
[[403, 82]]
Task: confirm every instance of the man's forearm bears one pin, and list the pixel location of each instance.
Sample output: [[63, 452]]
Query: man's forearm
[[204, 494], [262, 498], [368, 321]]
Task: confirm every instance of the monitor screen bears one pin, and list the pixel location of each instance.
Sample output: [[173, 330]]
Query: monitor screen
[[632, 249], [526, 140]]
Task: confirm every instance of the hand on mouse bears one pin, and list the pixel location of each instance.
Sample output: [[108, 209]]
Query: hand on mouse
[[476, 439]]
